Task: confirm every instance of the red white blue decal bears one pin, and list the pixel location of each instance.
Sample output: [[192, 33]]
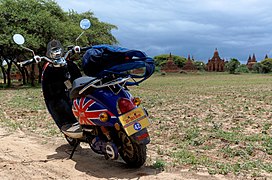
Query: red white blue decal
[[87, 111]]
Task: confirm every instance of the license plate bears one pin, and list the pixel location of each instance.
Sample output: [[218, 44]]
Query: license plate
[[134, 121]]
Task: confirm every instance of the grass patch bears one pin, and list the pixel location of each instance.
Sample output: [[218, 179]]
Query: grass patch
[[214, 120], [159, 164], [219, 121]]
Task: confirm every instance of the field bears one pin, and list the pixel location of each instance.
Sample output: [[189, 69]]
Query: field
[[213, 123]]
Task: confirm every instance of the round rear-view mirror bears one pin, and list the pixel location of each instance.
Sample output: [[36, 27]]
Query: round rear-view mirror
[[18, 39], [85, 24]]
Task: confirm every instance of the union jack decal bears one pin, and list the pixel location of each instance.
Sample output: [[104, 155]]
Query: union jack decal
[[87, 111]]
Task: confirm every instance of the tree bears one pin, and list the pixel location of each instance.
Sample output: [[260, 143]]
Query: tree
[[242, 69], [232, 65], [40, 21], [2, 63], [99, 33], [200, 66], [257, 67], [160, 60], [37, 20], [266, 65]]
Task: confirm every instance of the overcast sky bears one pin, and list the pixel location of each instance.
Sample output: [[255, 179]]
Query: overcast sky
[[237, 28]]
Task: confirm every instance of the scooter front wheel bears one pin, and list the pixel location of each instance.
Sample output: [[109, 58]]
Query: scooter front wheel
[[133, 153]]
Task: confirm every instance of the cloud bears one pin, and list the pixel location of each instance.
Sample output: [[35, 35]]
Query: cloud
[[236, 28]]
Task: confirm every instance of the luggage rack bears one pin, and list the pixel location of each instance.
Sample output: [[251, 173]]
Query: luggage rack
[[98, 83]]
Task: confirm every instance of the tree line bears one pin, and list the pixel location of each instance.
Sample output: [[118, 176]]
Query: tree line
[[232, 66], [41, 21]]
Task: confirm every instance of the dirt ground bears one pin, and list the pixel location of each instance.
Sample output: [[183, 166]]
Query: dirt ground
[[30, 156]]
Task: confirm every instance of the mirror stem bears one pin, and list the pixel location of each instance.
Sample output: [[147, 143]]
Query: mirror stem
[[79, 36], [28, 50]]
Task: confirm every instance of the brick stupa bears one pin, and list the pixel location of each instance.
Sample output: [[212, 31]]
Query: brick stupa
[[251, 62], [170, 65], [189, 65]]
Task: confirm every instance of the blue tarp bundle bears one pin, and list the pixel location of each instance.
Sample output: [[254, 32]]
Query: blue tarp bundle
[[101, 60]]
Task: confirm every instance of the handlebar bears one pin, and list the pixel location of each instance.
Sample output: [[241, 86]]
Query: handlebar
[[25, 63], [37, 59], [76, 49]]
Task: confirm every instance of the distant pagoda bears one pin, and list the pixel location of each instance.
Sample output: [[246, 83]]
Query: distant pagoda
[[170, 65], [216, 63], [189, 65], [251, 62]]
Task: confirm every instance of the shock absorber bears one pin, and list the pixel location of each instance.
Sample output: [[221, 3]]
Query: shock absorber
[[110, 148], [106, 132]]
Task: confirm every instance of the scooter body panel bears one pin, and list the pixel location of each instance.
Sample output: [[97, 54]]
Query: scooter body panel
[[87, 109]]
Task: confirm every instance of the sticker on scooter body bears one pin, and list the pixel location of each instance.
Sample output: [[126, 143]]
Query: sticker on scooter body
[[134, 121], [87, 111], [137, 126]]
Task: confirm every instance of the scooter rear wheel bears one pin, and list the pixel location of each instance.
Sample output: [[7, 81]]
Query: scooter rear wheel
[[133, 153]]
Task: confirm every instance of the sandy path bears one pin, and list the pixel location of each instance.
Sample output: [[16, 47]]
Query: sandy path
[[32, 157]]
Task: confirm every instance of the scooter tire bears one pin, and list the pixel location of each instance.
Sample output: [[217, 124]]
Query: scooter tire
[[133, 153]]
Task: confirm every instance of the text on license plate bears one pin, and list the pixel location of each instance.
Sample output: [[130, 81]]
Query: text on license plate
[[134, 121]]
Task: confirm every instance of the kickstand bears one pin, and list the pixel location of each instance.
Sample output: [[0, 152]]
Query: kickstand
[[74, 149]]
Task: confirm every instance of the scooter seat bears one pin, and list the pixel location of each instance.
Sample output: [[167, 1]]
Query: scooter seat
[[78, 84]]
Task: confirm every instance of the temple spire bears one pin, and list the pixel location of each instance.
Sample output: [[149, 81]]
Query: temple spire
[[249, 58], [253, 58], [170, 57], [216, 53]]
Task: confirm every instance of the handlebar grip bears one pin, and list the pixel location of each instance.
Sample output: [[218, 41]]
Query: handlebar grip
[[70, 47], [27, 62]]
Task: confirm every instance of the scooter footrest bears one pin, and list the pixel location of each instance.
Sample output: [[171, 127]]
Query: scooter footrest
[[72, 130]]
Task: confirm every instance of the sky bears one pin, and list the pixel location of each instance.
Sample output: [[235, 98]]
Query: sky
[[237, 28]]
